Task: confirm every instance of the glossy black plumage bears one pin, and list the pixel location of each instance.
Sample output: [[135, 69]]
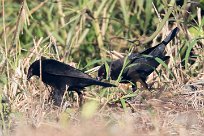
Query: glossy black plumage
[[61, 77], [139, 65]]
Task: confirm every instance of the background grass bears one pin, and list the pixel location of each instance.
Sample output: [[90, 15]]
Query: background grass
[[86, 34]]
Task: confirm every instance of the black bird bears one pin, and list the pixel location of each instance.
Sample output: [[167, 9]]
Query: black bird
[[61, 77], [139, 65]]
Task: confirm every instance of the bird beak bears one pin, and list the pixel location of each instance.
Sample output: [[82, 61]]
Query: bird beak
[[29, 76]]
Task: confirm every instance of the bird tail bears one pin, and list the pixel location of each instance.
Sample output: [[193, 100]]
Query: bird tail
[[160, 47], [104, 84], [170, 36], [165, 58]]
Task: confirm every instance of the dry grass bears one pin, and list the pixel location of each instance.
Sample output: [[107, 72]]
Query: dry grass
[[176, 109], [170, 112]]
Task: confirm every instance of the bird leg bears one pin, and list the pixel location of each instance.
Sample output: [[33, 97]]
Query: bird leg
[[57, 96], [81, 99], [144, 84]]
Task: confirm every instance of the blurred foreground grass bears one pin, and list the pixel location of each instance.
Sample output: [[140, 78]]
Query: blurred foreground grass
[[82, 33]]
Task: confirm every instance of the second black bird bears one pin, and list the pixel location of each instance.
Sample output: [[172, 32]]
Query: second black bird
[[62, 77], [139, 65]]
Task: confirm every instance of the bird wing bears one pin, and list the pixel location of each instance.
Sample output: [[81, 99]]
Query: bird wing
[[144, 65], [61, 69], [140, 64]]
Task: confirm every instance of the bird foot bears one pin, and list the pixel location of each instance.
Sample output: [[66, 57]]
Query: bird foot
[[150, 88]]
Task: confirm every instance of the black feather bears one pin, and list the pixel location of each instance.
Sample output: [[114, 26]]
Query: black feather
[[61, 76]]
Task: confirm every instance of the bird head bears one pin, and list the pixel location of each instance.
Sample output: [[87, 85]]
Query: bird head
[[34, 69], [102, 72]]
